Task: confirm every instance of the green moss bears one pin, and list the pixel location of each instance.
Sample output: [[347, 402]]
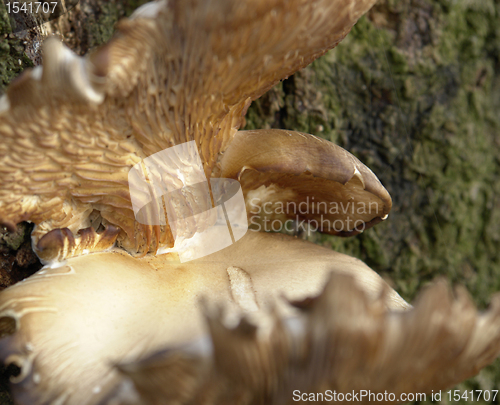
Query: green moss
[[102, 26], [12, 57], [13, 240], [129, 6]]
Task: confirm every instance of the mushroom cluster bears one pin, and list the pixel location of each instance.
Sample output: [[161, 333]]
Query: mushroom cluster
[[108, 320]]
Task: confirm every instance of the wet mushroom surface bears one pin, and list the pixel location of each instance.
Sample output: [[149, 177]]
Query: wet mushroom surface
[[109, 321]]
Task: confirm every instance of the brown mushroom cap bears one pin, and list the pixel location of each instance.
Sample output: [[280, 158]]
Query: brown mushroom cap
[[65, 327], [291, 175]]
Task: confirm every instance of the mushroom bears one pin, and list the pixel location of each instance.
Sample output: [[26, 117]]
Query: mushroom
[[72, 322], [292, 175], [173, 73], [107, 320], [342, 346]]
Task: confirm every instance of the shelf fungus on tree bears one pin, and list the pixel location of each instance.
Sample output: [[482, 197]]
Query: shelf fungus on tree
[[108, 321]]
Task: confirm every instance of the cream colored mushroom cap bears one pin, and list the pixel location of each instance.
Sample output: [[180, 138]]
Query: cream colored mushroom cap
[[68, 325]]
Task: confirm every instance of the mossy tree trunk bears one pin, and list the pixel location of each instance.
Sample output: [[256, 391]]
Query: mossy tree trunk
[[414, 92]]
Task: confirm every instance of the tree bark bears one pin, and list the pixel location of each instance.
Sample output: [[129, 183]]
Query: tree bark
[[413, 93]]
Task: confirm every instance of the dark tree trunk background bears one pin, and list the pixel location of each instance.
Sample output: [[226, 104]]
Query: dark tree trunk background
[[414, 92]]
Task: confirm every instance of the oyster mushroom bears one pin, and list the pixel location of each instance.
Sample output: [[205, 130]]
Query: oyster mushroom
[[175, 72]]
